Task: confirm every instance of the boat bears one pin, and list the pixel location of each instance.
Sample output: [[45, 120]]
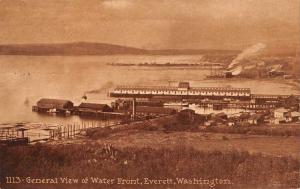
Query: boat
[[53, 110], [68, 112]]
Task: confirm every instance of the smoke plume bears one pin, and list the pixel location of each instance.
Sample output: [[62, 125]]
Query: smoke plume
[[237, 70], [26, 102], [247, 53], [104, 88]]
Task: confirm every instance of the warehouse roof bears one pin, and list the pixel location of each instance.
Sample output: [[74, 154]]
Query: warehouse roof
[[167, 88], [154, 110], [53, 103], [94, 106]]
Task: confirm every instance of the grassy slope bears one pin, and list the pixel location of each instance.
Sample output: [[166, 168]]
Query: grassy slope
[[248, 161], [269, 145], [244, 170]]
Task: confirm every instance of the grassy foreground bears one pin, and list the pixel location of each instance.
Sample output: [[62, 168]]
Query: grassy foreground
[[242, 169]]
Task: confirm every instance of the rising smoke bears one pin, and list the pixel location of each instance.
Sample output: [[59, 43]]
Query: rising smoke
[[237, 70], [236, 66], [247, 53], [103, 89], [26, 102]]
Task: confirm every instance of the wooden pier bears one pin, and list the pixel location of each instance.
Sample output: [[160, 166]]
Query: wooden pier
[[13, 136]]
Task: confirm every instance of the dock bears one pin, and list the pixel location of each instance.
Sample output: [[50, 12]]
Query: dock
[[13, 136]]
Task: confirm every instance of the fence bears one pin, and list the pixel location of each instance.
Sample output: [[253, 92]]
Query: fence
[[70, 131], [44, 132], [59, 132]]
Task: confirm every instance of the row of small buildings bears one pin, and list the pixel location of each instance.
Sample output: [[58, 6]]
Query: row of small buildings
[[284, 115], [275, 117]]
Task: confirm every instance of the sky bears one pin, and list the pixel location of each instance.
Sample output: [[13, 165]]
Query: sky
[[152, 24]]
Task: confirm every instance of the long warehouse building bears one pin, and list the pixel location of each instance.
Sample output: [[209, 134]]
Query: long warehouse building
[[183, 91]]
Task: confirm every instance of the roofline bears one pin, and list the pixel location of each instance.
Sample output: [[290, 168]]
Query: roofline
[[176, 88]]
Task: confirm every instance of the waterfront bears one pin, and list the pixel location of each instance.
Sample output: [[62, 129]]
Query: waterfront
[[26, 79]]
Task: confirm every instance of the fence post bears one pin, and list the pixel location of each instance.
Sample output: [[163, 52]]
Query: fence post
[[63, 131], [12, 132], [74, 130], [71, 130], [50, 134]]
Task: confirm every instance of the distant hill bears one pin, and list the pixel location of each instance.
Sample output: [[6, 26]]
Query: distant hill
[[85, 48], [77, 48]]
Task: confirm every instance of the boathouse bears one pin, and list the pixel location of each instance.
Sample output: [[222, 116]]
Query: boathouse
[[46, 104]]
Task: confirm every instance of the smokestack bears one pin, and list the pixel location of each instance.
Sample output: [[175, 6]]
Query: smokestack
[[83, 98]]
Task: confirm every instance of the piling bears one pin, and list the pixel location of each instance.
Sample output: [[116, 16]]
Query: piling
[[133, 108]]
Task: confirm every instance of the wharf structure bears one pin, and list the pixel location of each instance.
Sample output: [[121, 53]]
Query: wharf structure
[[183, 91], [66, 107], [219, 97], [13, 136]]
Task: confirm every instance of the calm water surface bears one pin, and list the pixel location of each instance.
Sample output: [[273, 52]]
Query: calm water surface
[[26, 79]]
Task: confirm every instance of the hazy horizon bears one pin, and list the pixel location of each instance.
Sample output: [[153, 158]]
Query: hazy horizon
[[93, 42]]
